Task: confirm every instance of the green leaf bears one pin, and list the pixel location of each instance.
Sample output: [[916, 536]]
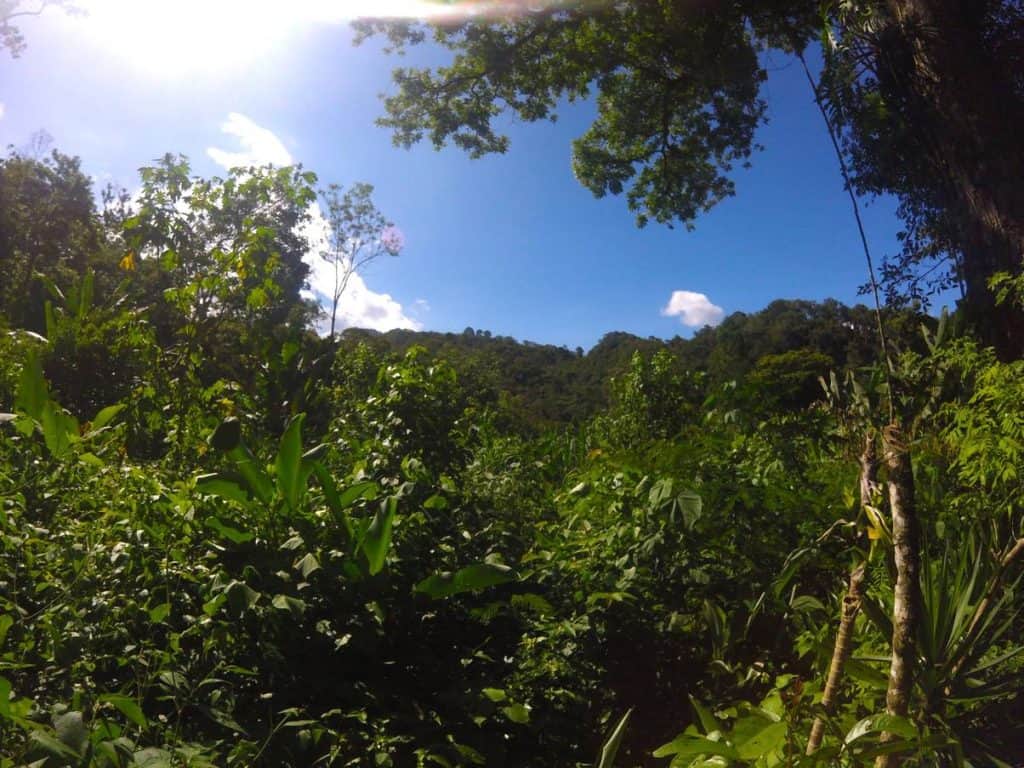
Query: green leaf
[[241, 597], [436, 502], [764, 742], [229, 532], [159, 612], [104, 417], [42, 741], [152, 757], [289, 464], [291, 604], [5, 697], [333, 499], [70, 729], [707, 720], [611, 745], [6, 622], [224, 485], [307, 564], [50, 318], [517, 713], [687, 745], [497, 695], [228, 435], [472, 578], [32, 393], [901, 726], [60, 428], [127, 706], [377, 540], [364, 490], [85, 293], [259, 484]]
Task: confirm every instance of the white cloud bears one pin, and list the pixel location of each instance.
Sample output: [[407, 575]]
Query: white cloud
[[693, 309], [3, 110], [360, 307], [259, 145]]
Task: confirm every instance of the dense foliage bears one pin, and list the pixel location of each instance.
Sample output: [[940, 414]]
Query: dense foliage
[[227, 541]]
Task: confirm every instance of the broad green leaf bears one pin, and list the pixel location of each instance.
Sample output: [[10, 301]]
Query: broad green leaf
[[306, 565], [6, 622], [260, 485], [497, 695], [70, 729], [127, 707], [377, 539], [50, 318], [611, 745], [691, 746], [241, 597], [5, 697], [228, 435], [32, 393], [229, 532], [60, 429], [691, 506], [43, 741], [436, 502], [152, 757], [764, 742], [85, 292], [472, 578], [291, 604], [707, 720], [364, 490], [330, 490], [159, 612], [223, 485], [104, 417], [289, 464], [517, 713], [879, 723]]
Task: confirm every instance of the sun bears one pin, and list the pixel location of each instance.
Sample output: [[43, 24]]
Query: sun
[[184, 38], [176, 39]]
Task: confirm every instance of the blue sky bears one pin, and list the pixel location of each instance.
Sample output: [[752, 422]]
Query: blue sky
[[511, 244]]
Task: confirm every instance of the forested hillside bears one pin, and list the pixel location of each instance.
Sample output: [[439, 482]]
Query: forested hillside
[[230, 536], [548, 385]]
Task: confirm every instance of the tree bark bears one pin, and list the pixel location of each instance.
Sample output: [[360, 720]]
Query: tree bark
[[960, 99], [851, 604], [907, 593]]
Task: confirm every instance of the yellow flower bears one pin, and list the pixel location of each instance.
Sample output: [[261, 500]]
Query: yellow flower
[[128, 262]]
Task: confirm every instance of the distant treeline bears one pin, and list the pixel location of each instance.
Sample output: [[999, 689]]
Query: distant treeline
[[554, 385]]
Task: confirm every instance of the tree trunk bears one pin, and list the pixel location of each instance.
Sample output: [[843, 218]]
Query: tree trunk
[[963, 103], [851, 604], [907, 593]]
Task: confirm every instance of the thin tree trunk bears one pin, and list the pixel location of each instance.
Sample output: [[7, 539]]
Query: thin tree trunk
[[851, 604], [907, 593]]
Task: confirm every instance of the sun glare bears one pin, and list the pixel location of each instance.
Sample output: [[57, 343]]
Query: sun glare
[[182, 38]]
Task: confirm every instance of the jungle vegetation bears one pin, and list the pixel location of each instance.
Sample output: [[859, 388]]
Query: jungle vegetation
[[792, 539]]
